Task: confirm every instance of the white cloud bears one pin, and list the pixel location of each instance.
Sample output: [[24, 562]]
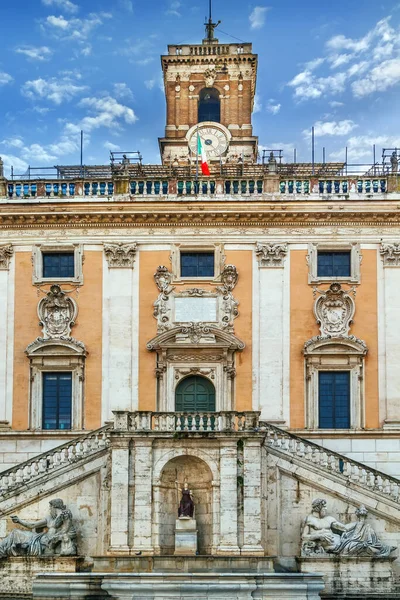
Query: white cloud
[[13, 142], [87, 50], [53, 89], [336, 104], [257, 16], [39, 53], [359, 148], [66, 5], [322, 128], [121, 90], [257, 104], [126, 5], [111, 146], [10, 160], [173, 8], [150, 83], [273, 108], [104, 112], [5, 78], [376, 54], [78, 30], [37, 154], [379, 79]]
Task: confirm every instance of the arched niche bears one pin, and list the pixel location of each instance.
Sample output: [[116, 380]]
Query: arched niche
[[209, 108], [199, 477]]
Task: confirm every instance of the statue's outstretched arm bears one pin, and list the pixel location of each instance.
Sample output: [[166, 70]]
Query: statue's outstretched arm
[[30, 524], [338, 526]]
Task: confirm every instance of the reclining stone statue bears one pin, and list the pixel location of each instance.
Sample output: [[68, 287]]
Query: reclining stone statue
[[59, 539], [323, 534]]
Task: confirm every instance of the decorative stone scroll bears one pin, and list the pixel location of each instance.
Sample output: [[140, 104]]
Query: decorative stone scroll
[[322, 534], [120, 255], [57, 313], [271, 255], [390, 254], [334, 311], [6, 253]]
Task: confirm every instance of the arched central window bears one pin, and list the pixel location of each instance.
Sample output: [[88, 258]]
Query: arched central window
[[209, 105], [195, 394]]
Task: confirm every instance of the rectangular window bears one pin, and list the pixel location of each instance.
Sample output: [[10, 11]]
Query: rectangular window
[[334, 264], [57, 265], [57, 401], [197, 264], [334, 399]]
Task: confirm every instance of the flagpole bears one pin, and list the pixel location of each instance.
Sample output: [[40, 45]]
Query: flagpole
[[197, 157]]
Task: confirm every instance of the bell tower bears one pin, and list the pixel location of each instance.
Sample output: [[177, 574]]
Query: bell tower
[[209, 90]]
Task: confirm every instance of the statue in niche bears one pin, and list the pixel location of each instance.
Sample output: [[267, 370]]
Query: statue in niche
[[394, 162], [59, 539], [186, 505], [323, 534]]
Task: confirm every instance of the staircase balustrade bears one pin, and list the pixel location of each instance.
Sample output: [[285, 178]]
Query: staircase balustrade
[[53, 460], [327, 460]]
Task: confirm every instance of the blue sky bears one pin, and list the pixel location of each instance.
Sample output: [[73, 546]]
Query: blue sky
[[94, 64]]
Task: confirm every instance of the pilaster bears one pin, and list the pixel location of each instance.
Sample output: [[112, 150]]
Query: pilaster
[[143, 501], [119, 523], [252, 498], [228, 542]]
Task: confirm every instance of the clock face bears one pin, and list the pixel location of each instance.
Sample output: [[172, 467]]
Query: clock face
[[214, 141]]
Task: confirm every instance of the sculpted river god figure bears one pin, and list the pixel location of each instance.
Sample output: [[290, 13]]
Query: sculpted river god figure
[[58, 539], [321, 533]]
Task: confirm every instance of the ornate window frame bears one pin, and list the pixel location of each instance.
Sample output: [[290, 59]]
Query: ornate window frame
[[355, 261], [175, 258], [37, 261], [56, 355], [335, 354]]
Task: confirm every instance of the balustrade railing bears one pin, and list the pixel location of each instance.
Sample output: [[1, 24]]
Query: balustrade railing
[[333, 186], [328, 460], [53, 460], [59, 189], [195, 422]]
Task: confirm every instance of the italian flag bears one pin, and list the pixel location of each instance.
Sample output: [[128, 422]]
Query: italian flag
[[203, 157]]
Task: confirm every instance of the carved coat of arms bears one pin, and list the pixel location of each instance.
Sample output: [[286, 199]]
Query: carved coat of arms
[[57, 313], [334, 311]]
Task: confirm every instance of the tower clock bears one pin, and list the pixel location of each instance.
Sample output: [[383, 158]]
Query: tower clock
[[209, 90]]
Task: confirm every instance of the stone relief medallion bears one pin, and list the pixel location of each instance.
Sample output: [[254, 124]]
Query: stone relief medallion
[[210, 76], [57, 313], [334, 311], [120, 255]]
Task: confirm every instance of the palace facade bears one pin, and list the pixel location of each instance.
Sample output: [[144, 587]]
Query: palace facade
[[238, 331]]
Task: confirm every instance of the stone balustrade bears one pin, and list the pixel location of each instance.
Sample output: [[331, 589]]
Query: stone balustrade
[[327, 460], [235, 186], [56, 459], [333, 186], [195, 422], [59, 189]]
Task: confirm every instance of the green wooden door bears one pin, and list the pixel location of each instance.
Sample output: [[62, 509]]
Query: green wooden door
[[195, 394]]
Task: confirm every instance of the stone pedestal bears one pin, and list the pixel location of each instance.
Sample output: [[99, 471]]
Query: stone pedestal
[[185, 537], [18, 573], [347, 574]]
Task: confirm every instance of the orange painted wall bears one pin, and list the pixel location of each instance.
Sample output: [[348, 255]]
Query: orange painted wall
[[148, 292], [88, 329], [303, 326], [243, 292]]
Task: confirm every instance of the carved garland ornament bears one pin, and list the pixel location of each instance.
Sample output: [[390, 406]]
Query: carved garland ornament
[[57, 313], [334, 311], [6, 253], [271, 255], [120, 255], [390, 254]]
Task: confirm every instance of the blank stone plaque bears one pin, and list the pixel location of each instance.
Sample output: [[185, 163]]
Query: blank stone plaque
[[195, 310]]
